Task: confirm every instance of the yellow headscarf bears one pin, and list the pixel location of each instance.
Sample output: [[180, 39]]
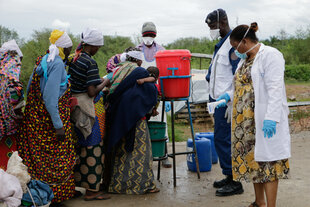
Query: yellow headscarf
[[61, 53], [59, 40], [55, 35]]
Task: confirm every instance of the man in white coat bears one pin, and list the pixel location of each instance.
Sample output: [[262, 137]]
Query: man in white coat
[[220, 77]]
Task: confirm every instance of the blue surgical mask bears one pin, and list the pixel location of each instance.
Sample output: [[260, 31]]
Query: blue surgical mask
[[241, 55], [244, 55]]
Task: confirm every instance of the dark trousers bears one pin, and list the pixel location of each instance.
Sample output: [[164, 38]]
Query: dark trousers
[[222, 139]]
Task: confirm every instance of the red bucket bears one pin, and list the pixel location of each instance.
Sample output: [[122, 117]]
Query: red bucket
[[177, 87]]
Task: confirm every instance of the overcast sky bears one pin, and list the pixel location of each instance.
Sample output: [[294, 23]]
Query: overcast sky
[[173, 18]]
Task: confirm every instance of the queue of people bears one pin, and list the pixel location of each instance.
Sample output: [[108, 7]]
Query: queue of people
[[77, 128], [70, 123]]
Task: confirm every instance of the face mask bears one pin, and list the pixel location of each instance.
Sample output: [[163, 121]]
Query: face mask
[[244, 55], [214, 33], [148, 40]]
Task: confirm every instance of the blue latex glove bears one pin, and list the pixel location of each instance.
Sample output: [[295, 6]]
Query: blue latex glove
[[167, 106], [224, 96], [269, 128]]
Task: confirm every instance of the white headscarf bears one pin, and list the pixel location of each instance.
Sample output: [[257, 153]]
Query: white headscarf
[[92, 37], [11, 46], [123, 57], [64, 41], [135, 54]]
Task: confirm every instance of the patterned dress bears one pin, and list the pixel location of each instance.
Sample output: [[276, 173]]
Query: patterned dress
[[7, 124], [12, 100], [47, 158], [90, 162], [244, 167], [132, 172]]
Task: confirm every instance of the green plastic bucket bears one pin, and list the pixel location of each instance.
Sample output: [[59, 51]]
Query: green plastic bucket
[[157, 133]]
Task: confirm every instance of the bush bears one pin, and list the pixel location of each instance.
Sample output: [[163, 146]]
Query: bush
[[195, 45], [299, 72]]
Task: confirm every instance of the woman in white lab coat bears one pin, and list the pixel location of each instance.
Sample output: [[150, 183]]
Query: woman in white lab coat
[[260, 133]]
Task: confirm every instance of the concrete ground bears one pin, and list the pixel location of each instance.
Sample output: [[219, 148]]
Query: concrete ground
[[193, 192]]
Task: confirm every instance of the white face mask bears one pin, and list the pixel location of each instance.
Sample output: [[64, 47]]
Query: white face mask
[[148, 40], [214, 33]]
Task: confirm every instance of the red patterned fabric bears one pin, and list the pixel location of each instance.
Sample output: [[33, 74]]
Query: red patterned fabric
[[47, 158], [7, 147]]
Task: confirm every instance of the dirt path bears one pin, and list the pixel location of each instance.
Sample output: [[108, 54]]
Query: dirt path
[[190, 191], [300, 92]]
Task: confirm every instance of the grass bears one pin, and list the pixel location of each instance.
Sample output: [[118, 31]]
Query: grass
[[299, 117], [298, 90], [299, 113], [179, 130], [296, 82], [303, 99], [182, 129]]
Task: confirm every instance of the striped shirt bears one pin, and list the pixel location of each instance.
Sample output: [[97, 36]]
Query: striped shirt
[[84, 72]]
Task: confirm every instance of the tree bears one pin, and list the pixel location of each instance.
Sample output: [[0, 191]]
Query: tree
[[35, 47], [194, 45], [112, 45], [6, 34], [294, 48]]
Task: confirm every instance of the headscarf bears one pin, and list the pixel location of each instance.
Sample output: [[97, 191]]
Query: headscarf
[[11, 46], [59, 40], [135, 54], [123, 57], [92, 37]]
